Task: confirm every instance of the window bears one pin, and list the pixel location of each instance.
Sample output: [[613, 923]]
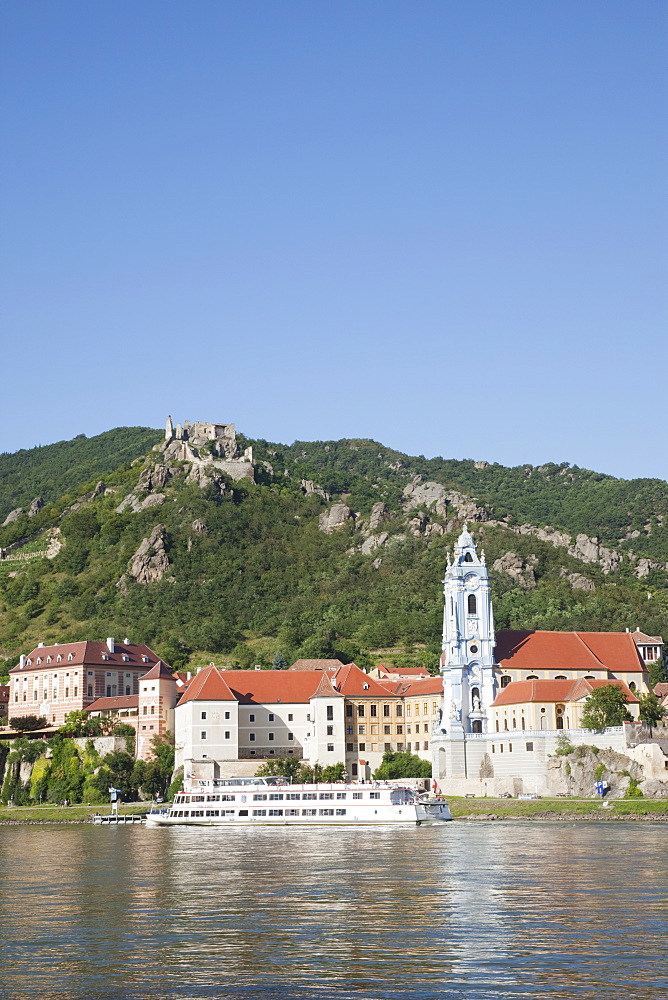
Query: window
[[388, 747], [468, 557], [330, 730], [386, 710], [330, 748], [152, 709], [290, 717], [271, 716], [259, 812], [76, 692], [326, 812], [276, 797], [271, 736], [145, 710], [227, 715], [203, 716], [349, 730], [374, 795], [35, 696], [399, 710], [275, 812], [472, 604], [251, 737], [330, 712], [340, 812], [360, 709], [291, 736], [400, 730], [534, 677], [374, 710], [227, 734], [349, 747], [363, 747], [425, 709], [561, 677], [326, 795], [354, 773], [529, 747], [632, 686], [259, 798], [349, 710], [505, 680], [361, 730], [202, 735], [387, 730], [251, 718]]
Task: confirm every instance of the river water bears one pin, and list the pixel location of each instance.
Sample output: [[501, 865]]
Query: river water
[[465, 910]]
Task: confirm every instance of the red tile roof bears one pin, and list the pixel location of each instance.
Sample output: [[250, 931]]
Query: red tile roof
[[642, 639], [316, 665], [523, 692], [159, 672], [90, 654], [325, 688], [354, 683], [416, 689], [207, 685], [539, 650], [109, 704]]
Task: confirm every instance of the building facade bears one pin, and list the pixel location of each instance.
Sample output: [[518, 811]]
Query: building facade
[[52, 681]]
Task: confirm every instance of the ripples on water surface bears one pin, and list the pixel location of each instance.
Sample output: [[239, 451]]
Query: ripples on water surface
[[470, 911]]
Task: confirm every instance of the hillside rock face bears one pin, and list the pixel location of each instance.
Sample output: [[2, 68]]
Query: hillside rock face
[[578, 581], [13, 515], [207, 444], [334, 518], [35, 506], [308, 486], [150, 563], [434, 495], [589, 550], [522, 573], [380, 513], [577, 772]]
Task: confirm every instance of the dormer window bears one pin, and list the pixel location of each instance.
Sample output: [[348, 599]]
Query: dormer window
[[58, 658], [29, 662], [125, 657], [468, 557], [105, 656], [70, 656], [39, 659], [48, 659], [144, 659]]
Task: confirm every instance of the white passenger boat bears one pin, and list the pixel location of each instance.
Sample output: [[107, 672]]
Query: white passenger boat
[[274, 802]]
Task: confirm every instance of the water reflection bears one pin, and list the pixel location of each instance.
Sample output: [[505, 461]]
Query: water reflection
[[461, 911]]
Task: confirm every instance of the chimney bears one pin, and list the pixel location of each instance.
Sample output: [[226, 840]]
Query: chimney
[[189, 676], [258, 667], [628, 629], [126, 641], [40, 645], [22, 661], [110, 644]]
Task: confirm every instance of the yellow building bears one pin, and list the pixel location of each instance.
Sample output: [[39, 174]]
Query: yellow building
[[547, 704]]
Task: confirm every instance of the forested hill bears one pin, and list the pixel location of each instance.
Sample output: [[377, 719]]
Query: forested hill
[[53, 469], [338, 548]]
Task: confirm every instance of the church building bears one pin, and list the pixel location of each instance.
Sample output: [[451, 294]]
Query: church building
[[508, 696]]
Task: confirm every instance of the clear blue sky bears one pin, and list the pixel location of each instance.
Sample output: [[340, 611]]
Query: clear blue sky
[[438, 224]]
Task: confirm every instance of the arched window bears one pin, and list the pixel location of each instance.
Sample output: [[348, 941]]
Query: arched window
[[497, 725], [468, 557], [472, 604], [589, 677], [532, 677], [561, 677], [505, 680], [632, 685]]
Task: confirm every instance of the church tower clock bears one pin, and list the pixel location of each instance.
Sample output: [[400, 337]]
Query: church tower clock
[[467, 663]]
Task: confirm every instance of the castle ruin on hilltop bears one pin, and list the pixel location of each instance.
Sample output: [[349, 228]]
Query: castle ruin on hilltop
[[208, 444]]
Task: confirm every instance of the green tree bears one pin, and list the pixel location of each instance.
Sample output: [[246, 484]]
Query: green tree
[[605, 706], [279, 662], [651, 711], [80, 723], [402, 765], [334, 772], [28, 723]]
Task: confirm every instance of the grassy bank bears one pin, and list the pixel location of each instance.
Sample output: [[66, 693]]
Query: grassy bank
[[60, 814], [567, 809]]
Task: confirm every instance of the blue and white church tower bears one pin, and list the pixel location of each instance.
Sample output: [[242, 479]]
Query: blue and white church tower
[[467, 663]]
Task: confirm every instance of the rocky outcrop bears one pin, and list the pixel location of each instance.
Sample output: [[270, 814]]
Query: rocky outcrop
[[576, 773], [309, 487], [35, 506], [156, 477], [578, 581], [136, 502], [589, 550], [207, 444], [372, 543], [55, 542], [380, 513], [335, 518], [150, 563], [199, 527], [442, 500], [521, 572], [13, 515]]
